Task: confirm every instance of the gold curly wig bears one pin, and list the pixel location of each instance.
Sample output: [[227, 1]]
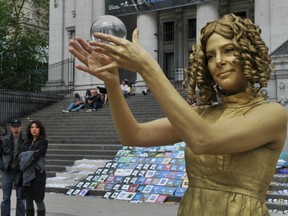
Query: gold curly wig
[[252, 54]]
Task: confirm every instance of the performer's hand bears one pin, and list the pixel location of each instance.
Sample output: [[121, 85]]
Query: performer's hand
[[91, 60], [125, 54]]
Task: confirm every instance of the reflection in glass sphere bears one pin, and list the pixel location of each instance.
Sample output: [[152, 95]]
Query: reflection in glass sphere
[[109, 25]]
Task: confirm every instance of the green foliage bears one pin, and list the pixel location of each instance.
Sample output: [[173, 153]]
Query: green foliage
[[5, 18], [23, 41], [43, 11]]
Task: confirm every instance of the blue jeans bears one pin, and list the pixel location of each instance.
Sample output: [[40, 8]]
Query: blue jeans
[[8, 179], [79, 107], [74, 106]]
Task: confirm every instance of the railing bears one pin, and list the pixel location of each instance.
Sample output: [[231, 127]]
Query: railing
[[61, 77], [30, 92], [30, 82], [124, 74], [19, 103], [176, 77], [3, 130]]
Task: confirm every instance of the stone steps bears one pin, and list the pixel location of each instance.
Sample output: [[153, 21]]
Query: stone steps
[[85, 135], [74, 157], [72, 138], [87, 138], [84, 146]]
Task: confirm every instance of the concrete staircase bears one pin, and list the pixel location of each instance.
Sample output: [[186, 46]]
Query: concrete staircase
[[79, 138], [86, 135]]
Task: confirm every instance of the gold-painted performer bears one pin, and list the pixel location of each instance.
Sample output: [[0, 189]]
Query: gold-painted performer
[[233, 137]]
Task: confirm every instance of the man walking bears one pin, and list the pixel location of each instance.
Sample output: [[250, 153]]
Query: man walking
[[9, 164]]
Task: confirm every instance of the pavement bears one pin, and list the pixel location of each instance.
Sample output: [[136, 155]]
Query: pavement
[[63, 205], [58, 204]]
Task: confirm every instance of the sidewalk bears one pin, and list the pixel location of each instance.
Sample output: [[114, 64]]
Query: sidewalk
[[64, 205]]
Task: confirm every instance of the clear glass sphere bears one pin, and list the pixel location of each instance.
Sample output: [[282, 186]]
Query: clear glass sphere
[[109, 25]]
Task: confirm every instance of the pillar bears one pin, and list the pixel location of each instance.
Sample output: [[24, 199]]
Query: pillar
[[148, 30], [206, 12]]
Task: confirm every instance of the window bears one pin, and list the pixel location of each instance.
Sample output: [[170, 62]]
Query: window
[[191, 25], [168, 31], [169, 64], [71, 32], [241, 14]]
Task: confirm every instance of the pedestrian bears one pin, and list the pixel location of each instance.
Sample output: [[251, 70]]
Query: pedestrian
[[32, 164], [233, 135], [11, 174]]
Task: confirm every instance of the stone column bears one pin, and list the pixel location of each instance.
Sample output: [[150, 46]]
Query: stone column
[[262, 18], [66, 19], [86, 12], [206, 12], [56, 38], [147, 26]]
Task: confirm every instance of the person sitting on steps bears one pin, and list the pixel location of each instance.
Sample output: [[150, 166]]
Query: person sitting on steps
[[145, 91], [103, 91], [76, 105], [125, 88], [94, 102]]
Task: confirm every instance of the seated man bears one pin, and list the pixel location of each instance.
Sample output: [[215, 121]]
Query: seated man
[[76, 105], [103, 91], [87, 95], [94, 102]]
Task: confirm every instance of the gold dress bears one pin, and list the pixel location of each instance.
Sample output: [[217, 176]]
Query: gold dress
[[230, 184]]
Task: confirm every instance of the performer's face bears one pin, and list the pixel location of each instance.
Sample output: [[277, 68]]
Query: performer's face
[[224, 65]]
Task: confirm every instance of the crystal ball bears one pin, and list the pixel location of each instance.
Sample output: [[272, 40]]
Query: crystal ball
[[109, 25]]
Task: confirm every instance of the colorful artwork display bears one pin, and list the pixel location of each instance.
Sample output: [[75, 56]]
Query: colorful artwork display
[[139, 174]]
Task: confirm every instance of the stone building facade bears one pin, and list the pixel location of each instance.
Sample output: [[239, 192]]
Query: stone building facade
[[167, 30]]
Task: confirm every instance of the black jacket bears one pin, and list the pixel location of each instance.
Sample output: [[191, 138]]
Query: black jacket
[[36, 189], [7, 163]]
